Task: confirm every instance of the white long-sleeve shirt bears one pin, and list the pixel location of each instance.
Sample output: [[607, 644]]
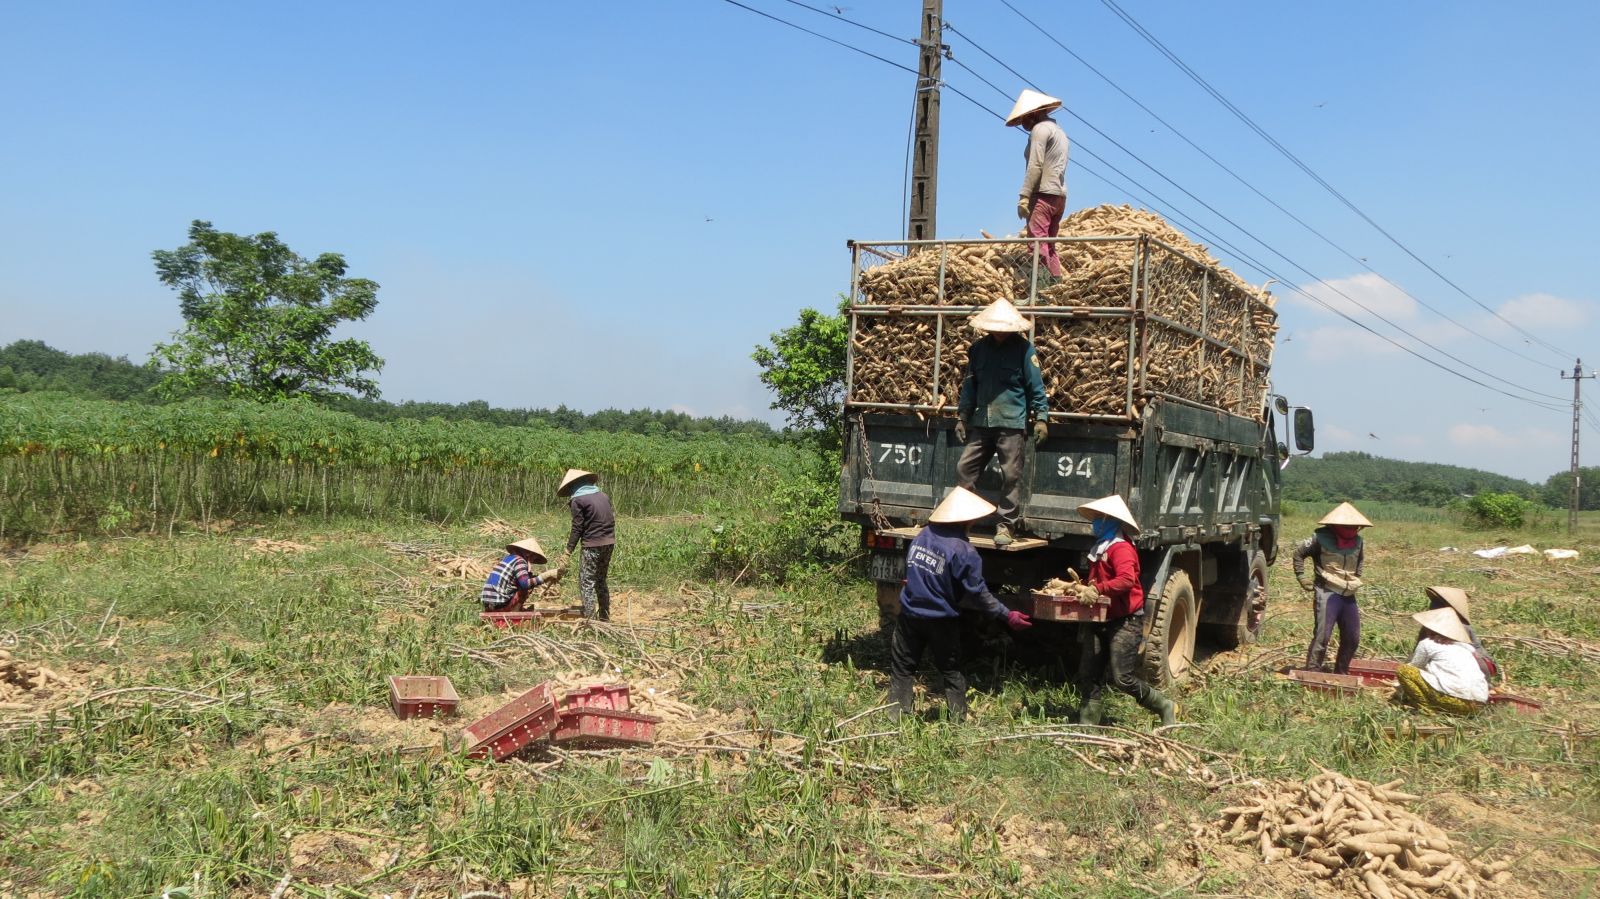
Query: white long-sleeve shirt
[[1046, 155], [1452, 669]]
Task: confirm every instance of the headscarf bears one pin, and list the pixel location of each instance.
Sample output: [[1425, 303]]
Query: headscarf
[[1345, 535], [1106, 530], [585, 490]]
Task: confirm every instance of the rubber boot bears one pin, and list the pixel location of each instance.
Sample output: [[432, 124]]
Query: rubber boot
[[900, 695], [1157, 702], [1092, 711], [956, 705], [1002, 535]]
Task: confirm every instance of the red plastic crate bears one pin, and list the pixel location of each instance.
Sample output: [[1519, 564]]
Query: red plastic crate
[[422, 697], [1375, 670], [1322, 682], [605, 726], [529, 717], [599, 696], [1054, 607], [1522, 705], [511, 619]]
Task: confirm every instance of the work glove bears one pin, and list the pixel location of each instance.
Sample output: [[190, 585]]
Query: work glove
[[1088, 594], [1022, 208], [1040, 432], [961, 431], [1018, 621], [550, 576], [1306, 585]]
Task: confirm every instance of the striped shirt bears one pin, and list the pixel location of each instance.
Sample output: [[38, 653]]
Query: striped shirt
[[509, 582]]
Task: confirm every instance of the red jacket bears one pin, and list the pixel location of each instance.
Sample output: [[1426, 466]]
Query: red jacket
[[1116, 576]]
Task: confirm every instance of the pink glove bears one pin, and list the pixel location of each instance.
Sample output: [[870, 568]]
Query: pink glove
[[1018, 621]]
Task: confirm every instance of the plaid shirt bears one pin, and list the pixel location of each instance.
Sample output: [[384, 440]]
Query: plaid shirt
[[510, 580]]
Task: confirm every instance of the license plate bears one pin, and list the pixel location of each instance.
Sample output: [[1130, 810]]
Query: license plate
[[887, 567]]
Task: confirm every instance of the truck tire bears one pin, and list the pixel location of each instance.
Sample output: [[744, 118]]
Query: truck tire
[[1169, 643], [1252, 609], [888, 606]]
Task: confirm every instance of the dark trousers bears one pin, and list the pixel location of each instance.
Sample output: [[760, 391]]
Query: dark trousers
[[982, 444], [1333, 610], [593, 567], [1111, 657], [941, 637]]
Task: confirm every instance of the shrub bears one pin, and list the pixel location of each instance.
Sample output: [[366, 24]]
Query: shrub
[[1496, 510]]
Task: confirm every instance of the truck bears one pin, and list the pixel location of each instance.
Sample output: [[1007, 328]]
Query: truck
[[1157, 363]]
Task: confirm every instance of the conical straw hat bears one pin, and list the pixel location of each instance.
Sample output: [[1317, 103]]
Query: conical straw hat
[[1111, 506], [961, 505], [1345, 513], [571, 479], [1445, 623], [1030, 101], [1000, 316], [1455, 597], [529, 545]]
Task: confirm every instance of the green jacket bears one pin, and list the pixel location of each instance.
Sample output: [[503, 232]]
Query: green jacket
[[1003, 385]]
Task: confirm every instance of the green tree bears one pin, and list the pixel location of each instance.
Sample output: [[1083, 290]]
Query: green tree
[[804, 366], [1557, 491], [258, 320]]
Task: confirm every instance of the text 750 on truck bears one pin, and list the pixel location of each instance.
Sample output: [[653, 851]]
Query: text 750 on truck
[[1156, 362]]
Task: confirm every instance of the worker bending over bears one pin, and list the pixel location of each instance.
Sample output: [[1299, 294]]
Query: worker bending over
[[512, 578], [1001, 389], [1111, 656], [943, 575]]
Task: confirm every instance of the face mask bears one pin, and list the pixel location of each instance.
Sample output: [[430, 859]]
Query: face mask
[[1106, 528]]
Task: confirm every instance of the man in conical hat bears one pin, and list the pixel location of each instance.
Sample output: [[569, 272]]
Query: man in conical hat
[[1337, 553], [594, 525], [1043, 198], [512, 578], [1002, 389], [1443, 674], [944, 574]]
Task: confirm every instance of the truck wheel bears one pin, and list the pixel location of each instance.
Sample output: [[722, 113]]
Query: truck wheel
[[888, 606], [1169, 644], [1252, 608]]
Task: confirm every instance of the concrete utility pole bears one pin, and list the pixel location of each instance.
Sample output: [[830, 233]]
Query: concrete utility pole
[[925, 145], [1577, 377]]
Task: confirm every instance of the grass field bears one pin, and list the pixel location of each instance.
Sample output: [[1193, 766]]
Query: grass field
[[223, 728]]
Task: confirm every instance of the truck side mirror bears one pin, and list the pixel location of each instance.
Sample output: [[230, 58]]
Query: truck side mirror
[[1305, 430], [1280, 405]]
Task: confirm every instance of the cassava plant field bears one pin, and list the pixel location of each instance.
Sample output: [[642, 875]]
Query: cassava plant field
[[72, 463], [202, 711]]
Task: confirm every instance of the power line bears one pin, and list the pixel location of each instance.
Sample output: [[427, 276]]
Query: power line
[[1214, 211], [849, 21], [1299, 163], [1236, 176], [1258, 266]]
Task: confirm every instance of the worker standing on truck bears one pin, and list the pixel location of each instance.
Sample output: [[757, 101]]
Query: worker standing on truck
[[943, 575], [1112, 654], [1001, 389], [594, 525], [1337, 552], [1044, 181], [512, 578]]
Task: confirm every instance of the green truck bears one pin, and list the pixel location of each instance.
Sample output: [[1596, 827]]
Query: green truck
[[1156, 361]]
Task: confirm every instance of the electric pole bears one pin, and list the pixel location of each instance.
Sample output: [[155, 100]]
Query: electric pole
[[925, 144], [1577, 377]]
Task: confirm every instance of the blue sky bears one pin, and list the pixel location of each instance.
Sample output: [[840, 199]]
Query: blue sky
[[532, 183]]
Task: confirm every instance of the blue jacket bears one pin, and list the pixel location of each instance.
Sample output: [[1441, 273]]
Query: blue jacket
[[943, 574], [1003, 384]]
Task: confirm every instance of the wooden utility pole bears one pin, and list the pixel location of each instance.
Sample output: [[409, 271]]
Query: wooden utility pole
[[925, 141], [1577, 377]]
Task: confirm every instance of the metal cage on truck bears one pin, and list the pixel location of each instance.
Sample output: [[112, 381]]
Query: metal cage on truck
[[1157, 368]]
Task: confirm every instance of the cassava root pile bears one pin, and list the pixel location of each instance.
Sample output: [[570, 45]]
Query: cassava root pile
[[19, 678], [1086, 362], [1338, 827]]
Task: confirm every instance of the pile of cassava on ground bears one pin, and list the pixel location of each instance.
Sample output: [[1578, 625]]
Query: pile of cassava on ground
[[1359, 834], [1096, 357], [19, 678]]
